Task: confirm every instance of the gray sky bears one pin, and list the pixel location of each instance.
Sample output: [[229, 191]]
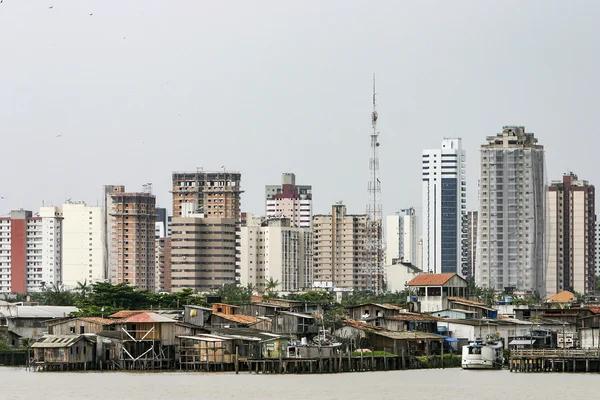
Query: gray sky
[[142, 88]]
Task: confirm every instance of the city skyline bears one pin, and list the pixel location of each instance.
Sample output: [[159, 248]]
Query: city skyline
[[270, 114]]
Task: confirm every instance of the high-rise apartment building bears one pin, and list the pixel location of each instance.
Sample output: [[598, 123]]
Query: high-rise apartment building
[[511, 228], [211, 194], [401, 237], [444, 205], [289, 200], [21, 268], [470, 251], [83, 244], [203, 253], [52, 245], [339, 249], [279, 251], [571, 236], [214, 194], [163, 265], [130, 229]]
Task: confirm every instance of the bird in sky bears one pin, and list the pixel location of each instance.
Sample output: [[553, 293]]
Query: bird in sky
[[91, 13], [51, 7], [58, 135]]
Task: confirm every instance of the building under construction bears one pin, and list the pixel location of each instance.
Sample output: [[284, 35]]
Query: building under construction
[[214, 194], [130, 246]]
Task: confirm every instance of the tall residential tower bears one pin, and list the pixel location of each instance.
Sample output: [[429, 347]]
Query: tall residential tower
[[444, 207], [401, 235], [511, 230], [571, 236], [289, 200]]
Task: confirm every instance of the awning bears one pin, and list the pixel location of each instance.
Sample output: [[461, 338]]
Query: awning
[[519, 342], [449, 339]]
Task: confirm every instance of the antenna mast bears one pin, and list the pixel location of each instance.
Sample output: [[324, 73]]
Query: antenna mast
[[373, 269]]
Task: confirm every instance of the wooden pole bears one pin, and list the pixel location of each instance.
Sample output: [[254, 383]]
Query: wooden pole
[[442, 353], [237, 365]]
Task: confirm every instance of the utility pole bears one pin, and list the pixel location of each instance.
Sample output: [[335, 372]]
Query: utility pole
[[373, 269]]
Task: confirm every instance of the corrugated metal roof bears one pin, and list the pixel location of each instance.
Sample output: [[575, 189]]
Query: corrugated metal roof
[[430, 279], [57, 341], [148, 317], [412, 317], [299, 315], [239, 318], [96, 320], [127, 313], [47, 312]]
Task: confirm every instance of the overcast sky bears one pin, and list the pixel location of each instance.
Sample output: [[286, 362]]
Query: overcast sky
[[142, 88]]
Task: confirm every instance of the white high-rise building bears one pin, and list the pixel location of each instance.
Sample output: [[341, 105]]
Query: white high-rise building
[[21, 268], [83, 255], [276, 250], [401, 237], [511, 250], [444, 205], [289, 200], [51, 245]]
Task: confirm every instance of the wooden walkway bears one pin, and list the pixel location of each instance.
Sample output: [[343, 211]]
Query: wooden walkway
[[555, 360]]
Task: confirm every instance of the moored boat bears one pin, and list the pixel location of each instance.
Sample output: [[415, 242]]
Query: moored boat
[[481, 354]]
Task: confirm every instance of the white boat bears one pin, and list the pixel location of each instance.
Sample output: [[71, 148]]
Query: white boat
[[481, 354]]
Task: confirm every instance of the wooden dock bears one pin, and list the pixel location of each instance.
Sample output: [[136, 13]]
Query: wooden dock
[[555, 360]]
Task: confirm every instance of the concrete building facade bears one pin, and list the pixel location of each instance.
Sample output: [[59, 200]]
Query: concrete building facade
[[83, 244], [289, 200], [571, 236], [52, 219], [211, 194], [511, 250], [471, 248], [203, 253], [401, 237], [163, 265], [21, 268], [444, 205], [130, 230], [339, 249], [597, 248], [279, 251]]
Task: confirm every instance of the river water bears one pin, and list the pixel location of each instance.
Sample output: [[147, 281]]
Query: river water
[[16, 383]]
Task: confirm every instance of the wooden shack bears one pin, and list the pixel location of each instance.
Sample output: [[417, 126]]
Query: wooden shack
[[64, 352], [294, 324], [206, 352], [196, 315], [79, 326]]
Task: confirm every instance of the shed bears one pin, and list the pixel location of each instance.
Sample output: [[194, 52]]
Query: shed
[[80, 326], [65, 350], [196, 315], [295, 324]]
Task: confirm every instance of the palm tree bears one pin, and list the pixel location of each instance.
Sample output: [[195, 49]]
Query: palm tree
[[83, 289], [270, 287]]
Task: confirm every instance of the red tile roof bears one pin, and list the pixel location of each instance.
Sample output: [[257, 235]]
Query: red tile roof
[[362, 325], [594, 309], [239, 318], [98, 320], [563, 297], [430, 279]]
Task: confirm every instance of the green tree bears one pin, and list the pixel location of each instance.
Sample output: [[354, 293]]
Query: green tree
[[270, 288], [83, 289], [4, 346], [56, 295], [234, 294]]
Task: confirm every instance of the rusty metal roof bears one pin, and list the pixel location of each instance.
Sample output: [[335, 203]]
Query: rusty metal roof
[[430, 279], [412, 317], [127, 313], [239, 318], [148, 317]]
